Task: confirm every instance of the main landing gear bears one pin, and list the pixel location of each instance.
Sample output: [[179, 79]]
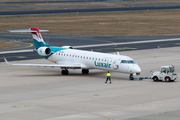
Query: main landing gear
[[65, 72], [85, 71], [131, 77]]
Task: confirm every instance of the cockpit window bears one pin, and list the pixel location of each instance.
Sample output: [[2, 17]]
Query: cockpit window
[[123, 61], [128, 61]]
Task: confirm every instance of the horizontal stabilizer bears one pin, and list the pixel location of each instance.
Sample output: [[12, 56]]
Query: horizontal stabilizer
[[27, 30]]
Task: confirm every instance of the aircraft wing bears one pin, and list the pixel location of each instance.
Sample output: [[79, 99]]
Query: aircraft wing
[[74, 66]]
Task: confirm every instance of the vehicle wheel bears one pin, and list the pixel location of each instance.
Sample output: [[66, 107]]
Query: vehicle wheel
[[167, 79], [155, 78]]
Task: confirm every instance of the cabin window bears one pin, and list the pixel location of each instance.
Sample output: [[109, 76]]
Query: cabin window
[[86, 57], [61, 54], [92, 58], [64, 54], [81, 56], [67, 54], [105, 60], [89, 57], [72, 55], [102, 59], [96, 58], [78, 56], [99, 59]]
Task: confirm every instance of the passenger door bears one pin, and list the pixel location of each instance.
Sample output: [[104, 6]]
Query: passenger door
[[116, 64]]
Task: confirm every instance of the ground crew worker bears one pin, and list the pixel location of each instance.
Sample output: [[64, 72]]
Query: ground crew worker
[[108, 77], [167, 71]]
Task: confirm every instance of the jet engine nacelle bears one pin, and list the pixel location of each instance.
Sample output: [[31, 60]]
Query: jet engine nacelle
[[44, 51], [70, 47]]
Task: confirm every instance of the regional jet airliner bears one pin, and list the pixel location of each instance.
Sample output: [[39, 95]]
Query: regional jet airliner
[[66, 58]]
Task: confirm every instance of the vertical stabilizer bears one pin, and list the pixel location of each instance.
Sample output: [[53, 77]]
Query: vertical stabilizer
[[38, 40]]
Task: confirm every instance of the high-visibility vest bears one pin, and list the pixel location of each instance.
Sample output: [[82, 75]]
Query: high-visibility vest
[[108, 74]]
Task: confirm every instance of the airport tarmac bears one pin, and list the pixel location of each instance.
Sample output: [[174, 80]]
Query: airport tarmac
[[40, 93]]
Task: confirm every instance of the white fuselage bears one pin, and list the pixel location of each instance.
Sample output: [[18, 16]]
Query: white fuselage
[[96, 60]]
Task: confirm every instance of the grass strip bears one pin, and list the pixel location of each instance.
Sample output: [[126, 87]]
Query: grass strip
[[142, 23]]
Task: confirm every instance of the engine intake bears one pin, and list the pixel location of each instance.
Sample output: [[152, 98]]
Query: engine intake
[[44, 51]]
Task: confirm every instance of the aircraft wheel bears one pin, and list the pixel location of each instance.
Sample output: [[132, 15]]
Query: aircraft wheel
[[67, 72], [85, 71], [64, 72]]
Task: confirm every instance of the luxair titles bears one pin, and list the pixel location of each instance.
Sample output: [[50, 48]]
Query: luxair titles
[[100, 64]]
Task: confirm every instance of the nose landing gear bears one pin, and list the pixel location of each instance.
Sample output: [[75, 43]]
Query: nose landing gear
[[131, 77]]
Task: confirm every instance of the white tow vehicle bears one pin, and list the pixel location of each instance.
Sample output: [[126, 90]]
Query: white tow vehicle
[[167, 74]]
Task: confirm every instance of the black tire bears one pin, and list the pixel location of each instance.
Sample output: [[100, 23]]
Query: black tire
[[85, 71], [167, 79], [64, 72], [155, 78]]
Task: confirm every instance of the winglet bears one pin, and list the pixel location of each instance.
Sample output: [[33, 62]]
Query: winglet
[[6, 61]]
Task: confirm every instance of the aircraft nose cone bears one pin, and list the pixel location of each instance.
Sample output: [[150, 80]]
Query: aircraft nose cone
[[137, 69]]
